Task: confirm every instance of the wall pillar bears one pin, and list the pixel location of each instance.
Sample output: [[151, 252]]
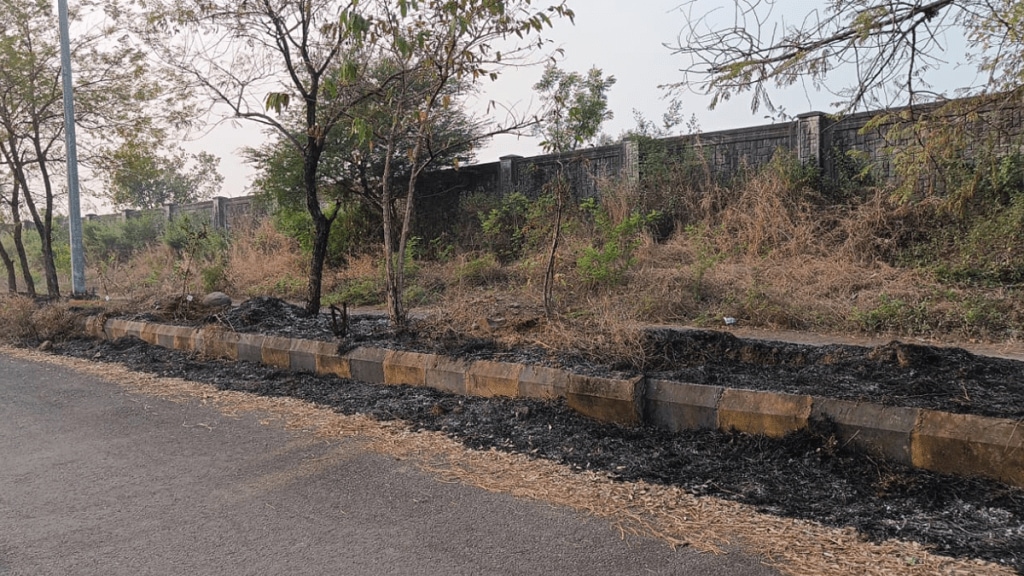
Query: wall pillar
[[631, 164], [507, 182], [811, 146], [218, 213]]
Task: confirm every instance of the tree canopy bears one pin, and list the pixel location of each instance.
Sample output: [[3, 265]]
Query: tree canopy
[[138, 175], [882, 54], [258, 58], [576, 107], [114, 94], [869, 53]]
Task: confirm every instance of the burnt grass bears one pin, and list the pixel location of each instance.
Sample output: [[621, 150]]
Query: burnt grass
[[807, 474]]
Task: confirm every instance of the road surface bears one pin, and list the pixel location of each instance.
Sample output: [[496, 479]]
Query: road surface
[[98, 480]]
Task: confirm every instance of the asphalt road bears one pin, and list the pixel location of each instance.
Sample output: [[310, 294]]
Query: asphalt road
[[96, 480]]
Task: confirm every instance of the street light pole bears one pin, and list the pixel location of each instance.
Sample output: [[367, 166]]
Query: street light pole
[[74, 208]]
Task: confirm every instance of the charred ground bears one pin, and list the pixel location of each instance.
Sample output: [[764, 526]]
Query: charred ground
[[962, 517]]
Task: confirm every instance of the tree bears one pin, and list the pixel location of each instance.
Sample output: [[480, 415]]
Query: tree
[[882, 52], [112, 91], [352, 166], [253, 59], [576, 107], [138, 175], [12, 274], [439, 50]]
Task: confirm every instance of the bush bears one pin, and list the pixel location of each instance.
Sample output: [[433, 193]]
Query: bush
[[119, 241], [16, 318], [517, 225], [480, 271], [606, 263], [356, 229], [358, 292]]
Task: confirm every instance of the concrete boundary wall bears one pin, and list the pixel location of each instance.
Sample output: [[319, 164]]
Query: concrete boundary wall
[[949, 443]]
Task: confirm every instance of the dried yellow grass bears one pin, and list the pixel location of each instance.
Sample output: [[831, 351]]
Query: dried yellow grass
[[794, 547], [264, 261]]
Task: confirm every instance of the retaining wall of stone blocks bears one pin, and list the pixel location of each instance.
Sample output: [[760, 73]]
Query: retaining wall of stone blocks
[[949, 443]]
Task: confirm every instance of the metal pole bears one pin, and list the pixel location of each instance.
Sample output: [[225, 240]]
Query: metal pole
[[74, 208]]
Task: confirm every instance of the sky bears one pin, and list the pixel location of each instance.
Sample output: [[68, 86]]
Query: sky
[[624, 38]]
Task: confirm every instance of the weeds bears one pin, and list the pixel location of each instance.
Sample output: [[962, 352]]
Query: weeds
[[770, 249]]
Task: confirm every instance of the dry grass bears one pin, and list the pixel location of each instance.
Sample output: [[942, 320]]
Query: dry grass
[[16, 318], [263, 261], [794, 547], [763, 251], [24, 320]]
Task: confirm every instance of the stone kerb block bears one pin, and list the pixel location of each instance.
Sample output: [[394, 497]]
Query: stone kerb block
[[543, 382], [329, 361], [676, 406], [175, 337], [619, 401], [768, 413], [487, 378], [276, 352], [963, 444], [409, 368], [367, 364], [119, 328], [218, 343], [150, 332], [884, 431], [134, 328], [302, 354], [447, 374], [250, 347], [94, 326]]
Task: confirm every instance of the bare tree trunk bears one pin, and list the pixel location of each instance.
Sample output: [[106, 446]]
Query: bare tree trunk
[[560, 186], [19, 246], [12, 276], [321, 231], [44, 226], [392, 269]]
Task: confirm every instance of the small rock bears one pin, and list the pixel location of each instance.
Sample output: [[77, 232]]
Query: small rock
[[494, 323], [46, 346], [216, 300]]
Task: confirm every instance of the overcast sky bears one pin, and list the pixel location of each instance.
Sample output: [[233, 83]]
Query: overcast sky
[[626, 39]]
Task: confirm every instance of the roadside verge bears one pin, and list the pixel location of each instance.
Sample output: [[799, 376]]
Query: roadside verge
[[943, 442]]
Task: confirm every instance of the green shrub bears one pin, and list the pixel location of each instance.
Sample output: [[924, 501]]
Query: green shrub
[[356, 228], [606, 263], [119, 241], [893, 315], [359, 292], [479, 271], [517, 225]]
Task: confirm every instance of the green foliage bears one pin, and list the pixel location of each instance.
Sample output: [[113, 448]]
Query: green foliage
[[355, 229], [516, 225], [796, 175], [196, 242], [359, 292], [893, 315], [106, 242], [707, 257], [606, 263], [214, 277], [576, 105], [138, 175], [196, 236], [479, 271]]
